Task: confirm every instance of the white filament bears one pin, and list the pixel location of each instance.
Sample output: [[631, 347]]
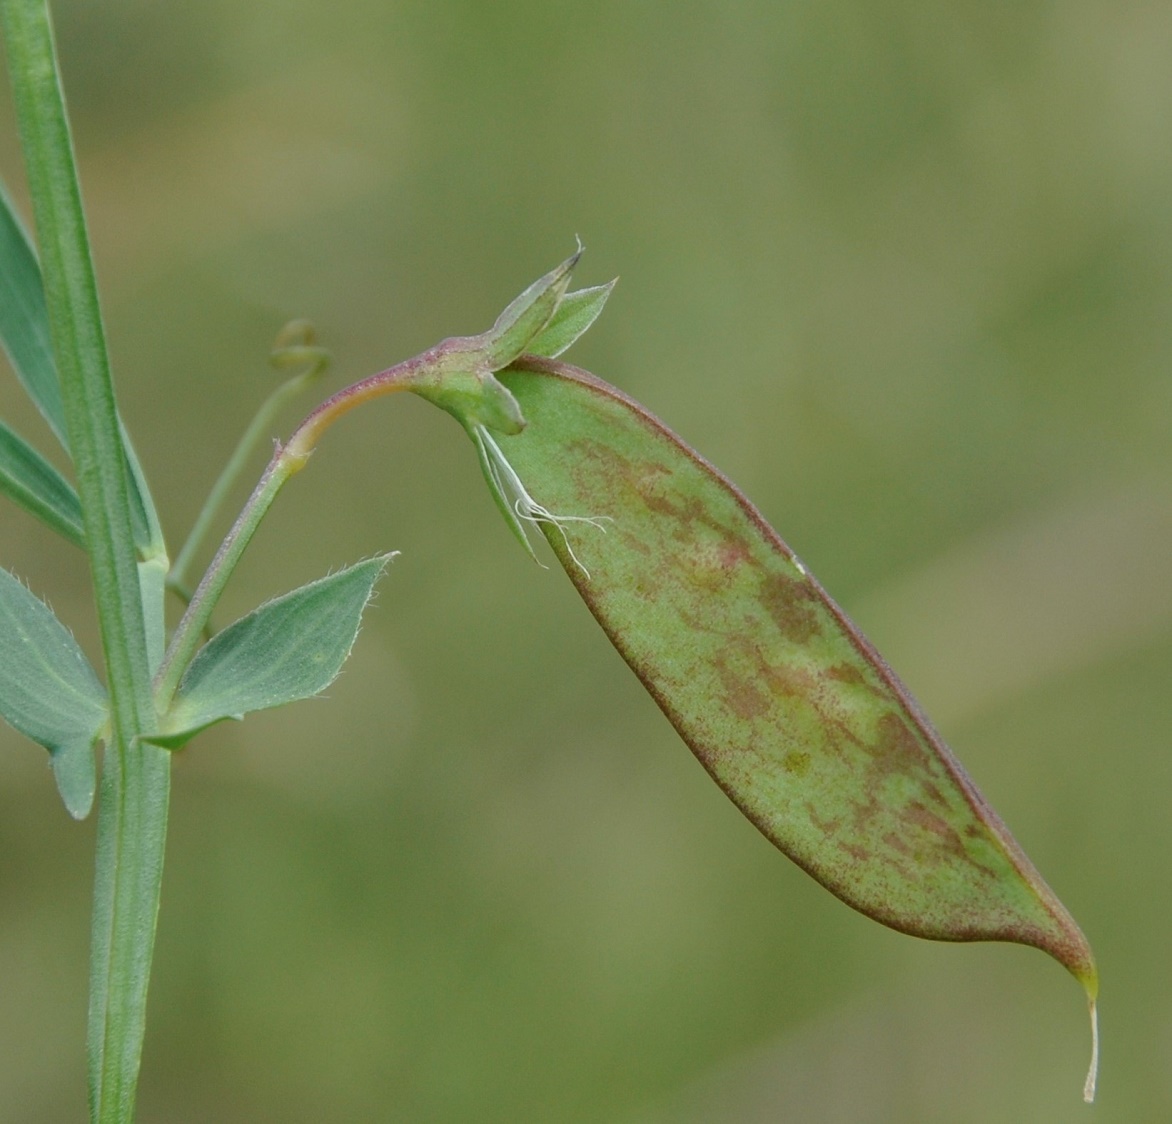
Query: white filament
[[526, 508], [1088, 1090]]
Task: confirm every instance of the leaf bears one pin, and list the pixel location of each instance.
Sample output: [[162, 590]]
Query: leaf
[[290, 648], [31, 481], [574, 316], [49, 692], [24, 320], [24, 334], [783, 701]]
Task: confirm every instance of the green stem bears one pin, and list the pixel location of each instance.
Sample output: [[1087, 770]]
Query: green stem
[[80, 350], [286, 461], [134, 791], [199, 610], [256, 430], [132, 831]]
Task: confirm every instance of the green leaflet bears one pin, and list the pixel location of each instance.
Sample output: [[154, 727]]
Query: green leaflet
[[25, 476], [290, 648], [31, 481], [788, 707], [49, 692], [24, 320], [24, 334]]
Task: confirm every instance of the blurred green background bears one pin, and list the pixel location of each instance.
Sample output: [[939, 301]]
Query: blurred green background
[[902, 269]]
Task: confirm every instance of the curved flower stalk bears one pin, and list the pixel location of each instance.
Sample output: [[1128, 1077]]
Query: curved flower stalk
[[458, 375]]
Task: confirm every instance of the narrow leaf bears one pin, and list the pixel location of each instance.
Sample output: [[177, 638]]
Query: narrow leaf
[[144, 519], [24, 334], [31, 481], [290, 648], [49, 692], [780, 697], [24, 320], [572, 319]]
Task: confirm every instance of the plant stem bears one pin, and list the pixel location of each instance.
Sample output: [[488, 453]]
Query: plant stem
[[199, 610], [135, 778], [286, 461], [132, 830], [252, 435], [80, 350]]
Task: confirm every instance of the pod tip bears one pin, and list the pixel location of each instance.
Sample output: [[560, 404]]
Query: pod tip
[[1088, 1089]]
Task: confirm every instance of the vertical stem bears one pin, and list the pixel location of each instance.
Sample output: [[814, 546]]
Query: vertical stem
[[132, 830], [79, 348], [135, 779]]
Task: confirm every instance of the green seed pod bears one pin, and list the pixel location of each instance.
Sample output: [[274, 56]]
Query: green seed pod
[[784, 702]]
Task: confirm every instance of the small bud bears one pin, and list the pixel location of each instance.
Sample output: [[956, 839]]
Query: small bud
[[296, 333], [296, 346]]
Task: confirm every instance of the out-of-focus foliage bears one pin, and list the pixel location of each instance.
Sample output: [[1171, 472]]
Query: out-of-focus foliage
[[903, 271]]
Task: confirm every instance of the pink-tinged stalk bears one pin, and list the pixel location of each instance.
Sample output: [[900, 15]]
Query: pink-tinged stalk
[[287, 461], [305, 437]]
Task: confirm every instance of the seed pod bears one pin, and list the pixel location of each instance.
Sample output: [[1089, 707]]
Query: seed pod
[[784, 702]]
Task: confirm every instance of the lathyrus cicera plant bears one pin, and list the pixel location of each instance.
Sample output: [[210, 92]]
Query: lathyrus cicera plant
[[789, 708]]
